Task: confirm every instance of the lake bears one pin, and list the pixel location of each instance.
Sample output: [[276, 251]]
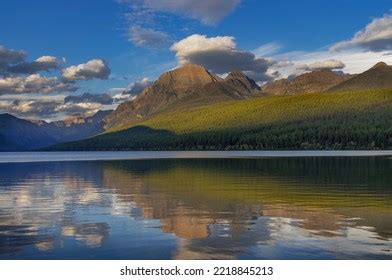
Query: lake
[[196, 205]]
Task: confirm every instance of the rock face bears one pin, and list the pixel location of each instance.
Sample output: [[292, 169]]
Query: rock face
[[379, 76], [235, 86], [241, 82], [188, 84], [317, 81]]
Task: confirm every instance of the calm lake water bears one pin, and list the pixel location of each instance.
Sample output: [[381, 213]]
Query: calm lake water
[[174, 206]]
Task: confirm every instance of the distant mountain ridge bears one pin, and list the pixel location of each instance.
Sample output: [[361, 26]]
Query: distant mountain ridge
[[19, 134], [379, 76], [316, 81]]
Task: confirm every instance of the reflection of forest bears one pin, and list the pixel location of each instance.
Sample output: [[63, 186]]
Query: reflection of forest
[[185, 217], [217, 208], [189, 195]]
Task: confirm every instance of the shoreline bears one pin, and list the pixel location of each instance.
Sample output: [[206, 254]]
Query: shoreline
[[25, 157]]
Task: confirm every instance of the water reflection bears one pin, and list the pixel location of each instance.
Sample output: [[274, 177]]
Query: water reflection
[[282, 208]]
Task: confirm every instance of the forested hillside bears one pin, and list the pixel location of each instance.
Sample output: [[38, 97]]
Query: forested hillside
[[347, 120]]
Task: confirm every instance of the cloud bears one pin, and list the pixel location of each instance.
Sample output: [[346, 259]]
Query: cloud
[[129, 93], [370, 45], [122, 97], [8, 56], [376, 36], [147, 37], [93, 69], [356, 61], [207, 11], [43, 63], [104, 98], [13, 62], [30, 108], [38, 108], [146, 17], [331, 64], [33, 84], [267, 49], [23, 91], [138, 86], [46, 109], [220, 55], [87, 108]]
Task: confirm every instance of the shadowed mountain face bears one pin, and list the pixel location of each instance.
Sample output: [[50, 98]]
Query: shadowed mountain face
[[235, 86], [76, 128], [317, 81], [379, 76], [191, 84], [18, 134], [241, 83]]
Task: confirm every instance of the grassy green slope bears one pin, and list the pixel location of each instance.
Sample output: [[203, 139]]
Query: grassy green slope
[[351, 120]]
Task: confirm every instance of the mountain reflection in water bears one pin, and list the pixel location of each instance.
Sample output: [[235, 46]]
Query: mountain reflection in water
[[277, 208]]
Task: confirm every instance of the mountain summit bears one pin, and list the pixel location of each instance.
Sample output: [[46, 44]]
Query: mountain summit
[[379, 76], [184, 80], [190, 84], [380, 64]]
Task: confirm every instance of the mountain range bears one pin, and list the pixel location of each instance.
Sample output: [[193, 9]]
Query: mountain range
[[191, 108], [20, 135], [316, 81]]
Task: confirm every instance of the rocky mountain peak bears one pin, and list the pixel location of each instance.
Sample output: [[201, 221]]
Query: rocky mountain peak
[[380, 65], [187, 76], [240, 79], [379, 76]]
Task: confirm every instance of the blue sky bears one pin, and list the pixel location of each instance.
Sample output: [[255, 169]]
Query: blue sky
[[133, 41]]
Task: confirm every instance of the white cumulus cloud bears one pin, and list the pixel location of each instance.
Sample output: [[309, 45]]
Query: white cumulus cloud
[[330, 64], [93, 69], [220, 55], [33, 84], [43, 63]]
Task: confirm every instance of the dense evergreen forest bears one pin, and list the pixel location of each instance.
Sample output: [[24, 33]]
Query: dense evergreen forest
[[347, 120]]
